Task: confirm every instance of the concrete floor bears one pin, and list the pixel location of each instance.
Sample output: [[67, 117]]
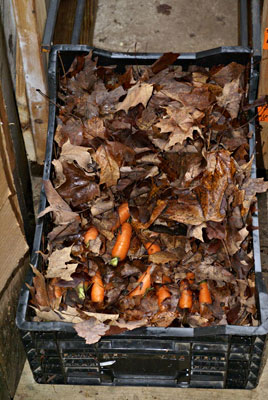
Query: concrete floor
[[181, 26]]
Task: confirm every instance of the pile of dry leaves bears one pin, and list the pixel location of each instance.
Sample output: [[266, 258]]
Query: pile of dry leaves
[[170, 147]]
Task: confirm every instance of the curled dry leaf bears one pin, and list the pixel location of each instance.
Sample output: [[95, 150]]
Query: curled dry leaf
[[186, 210], [62, 213], [157, 211], [79, 154], [95, 128], [206, 270], [59, 265], [214, 182], [91, 330], [40, 295], [163, 257], [79, 187], [228, 73], [95, 245], [230, 98], [197, 231], [101, 317], [68, 315], [139, 93], [109, 167], [130, 325]]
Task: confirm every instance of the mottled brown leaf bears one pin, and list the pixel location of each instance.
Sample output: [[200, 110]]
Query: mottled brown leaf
[[214, 182], [230, 98], [109, 167], [91, 330], [62, 213], [157, 211], [186, 210], [207, 270], [41, 295], [79, 187], [58, 264], [79, 154], [139, 93], [95, 127], [228, 73], [166, 59], [163, 257], [251, 187]]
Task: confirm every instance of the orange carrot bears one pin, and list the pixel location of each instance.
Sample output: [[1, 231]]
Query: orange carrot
[[186, 299], [144, 283], [123, 215], [122, 244], [204, 294], [191, 277], [152, 248], [163, 293], [58, 290], [97, 290], [91, 234]]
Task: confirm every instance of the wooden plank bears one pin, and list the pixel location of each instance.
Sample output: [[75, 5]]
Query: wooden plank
[[9, 27], [87, 31], [12, 148], [5, 190], [23, 110], [41, 16], [263, 86], [35, 75], [65, 21]]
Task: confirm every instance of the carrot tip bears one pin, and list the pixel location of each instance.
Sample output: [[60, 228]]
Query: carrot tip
[[114, 261]]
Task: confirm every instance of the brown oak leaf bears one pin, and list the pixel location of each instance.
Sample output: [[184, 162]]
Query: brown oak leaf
[[139, 93], [62, 213], [110, 172], [91, 330], [59, 264], [214, 182], [79, 154]]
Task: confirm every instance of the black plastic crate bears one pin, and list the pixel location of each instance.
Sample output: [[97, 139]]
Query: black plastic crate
[[211, 357]]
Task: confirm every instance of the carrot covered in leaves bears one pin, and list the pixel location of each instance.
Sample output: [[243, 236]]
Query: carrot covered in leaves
[[163, 293], [91, 234], [186, 299], [190, 276], [58, 290], [97, 290], [123, 215], [144, 283], [122, 244], [204, 295], [152, 248]]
